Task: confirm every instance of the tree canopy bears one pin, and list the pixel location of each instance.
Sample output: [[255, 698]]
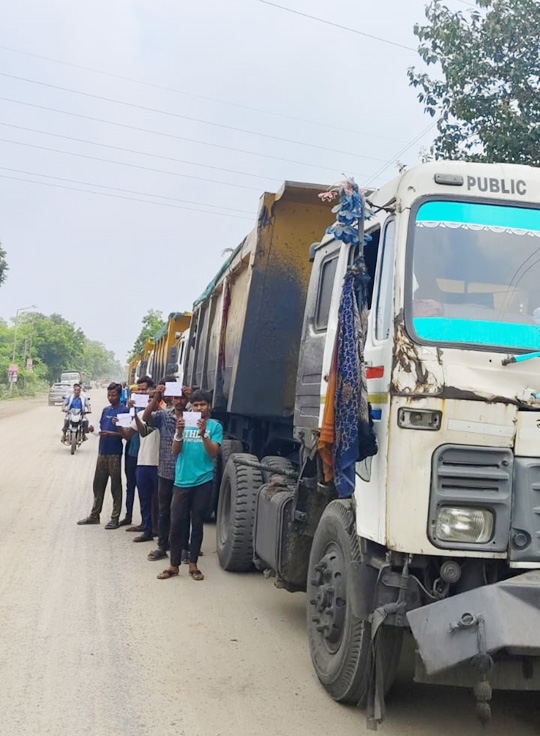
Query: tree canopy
[[56, 342], [4, 268], [151, 324], [98, 362], [55, 345], [486, 89]]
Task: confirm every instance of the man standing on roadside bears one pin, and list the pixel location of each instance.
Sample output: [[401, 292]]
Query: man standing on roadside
[[147, 463], [165, 421], [109, 462], [130, 469], [195, 448]]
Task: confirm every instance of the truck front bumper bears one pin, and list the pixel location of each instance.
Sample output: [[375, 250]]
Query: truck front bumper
[[502, 620]]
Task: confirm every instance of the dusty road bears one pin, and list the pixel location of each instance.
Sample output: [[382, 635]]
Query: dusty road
[[91, 644]]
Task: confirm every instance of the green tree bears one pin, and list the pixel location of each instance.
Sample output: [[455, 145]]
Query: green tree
[[4, 268], [56, 343], [486, 91], [151, 324], [29, 382], [98, 362]]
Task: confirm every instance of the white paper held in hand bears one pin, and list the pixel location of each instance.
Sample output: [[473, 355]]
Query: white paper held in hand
[[97, 430], [173, 388], [140, 400], [124, 420], [191, 418]]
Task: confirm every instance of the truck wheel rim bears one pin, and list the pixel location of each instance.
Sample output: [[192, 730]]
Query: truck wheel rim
[[329, 602]]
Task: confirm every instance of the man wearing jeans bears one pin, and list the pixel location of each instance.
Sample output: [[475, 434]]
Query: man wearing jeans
[[130, 469], [195, 447], [165, 421], [109, 462], [147, 463]]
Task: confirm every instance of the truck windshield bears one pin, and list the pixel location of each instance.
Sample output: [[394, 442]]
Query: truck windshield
[[475, 275]]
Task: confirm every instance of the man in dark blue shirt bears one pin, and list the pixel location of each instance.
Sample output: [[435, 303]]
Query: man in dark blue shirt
[[109, 462]]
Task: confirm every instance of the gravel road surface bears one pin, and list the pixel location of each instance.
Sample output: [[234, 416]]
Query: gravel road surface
[[92, 644]]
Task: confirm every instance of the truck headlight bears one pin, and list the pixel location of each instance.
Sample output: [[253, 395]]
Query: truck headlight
[[464, 524]]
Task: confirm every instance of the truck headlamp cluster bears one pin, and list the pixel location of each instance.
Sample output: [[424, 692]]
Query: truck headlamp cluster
[[464, 524], [426, 419]]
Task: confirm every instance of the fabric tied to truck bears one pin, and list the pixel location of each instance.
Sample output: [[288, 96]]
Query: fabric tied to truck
[[347, 436], [354, 436]]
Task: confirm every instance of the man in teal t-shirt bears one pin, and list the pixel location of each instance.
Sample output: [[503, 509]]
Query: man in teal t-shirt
[[196, 447]]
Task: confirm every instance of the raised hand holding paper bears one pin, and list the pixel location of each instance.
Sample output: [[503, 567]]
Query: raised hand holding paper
[[191, 418], [173, 388], [124, 420], [140, 400]]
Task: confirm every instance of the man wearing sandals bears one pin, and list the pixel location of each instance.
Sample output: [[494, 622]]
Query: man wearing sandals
[[165, 421], [109, 462], [195, 448], [147, 463]]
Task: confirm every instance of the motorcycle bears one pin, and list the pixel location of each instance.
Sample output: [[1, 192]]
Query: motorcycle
[[75, 431]]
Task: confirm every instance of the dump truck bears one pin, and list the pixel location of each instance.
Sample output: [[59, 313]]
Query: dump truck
[[144, 359], [440, 533], [132, 368], [245, 330], [169, 347]]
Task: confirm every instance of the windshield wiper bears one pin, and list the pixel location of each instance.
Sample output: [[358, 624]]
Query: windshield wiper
[[520, 358]]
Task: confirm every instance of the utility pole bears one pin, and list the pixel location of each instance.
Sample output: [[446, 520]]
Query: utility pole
[[21, 309]]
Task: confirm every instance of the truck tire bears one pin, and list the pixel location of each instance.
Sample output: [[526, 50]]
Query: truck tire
[[216, 480], [277, 462], [228, 447], [339, 641], [236, 514]]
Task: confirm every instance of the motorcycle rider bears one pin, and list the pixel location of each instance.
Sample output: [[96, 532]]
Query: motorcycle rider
[[77, 400]]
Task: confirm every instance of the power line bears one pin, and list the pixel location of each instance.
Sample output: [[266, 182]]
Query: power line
[[392, 161], [174, 136], [120, 196], [145, 108], [132, 150], [125, 163], [338, 25], [127, 191], [166, 88]]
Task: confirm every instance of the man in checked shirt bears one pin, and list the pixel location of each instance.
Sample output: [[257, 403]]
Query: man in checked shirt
[[165, 421]]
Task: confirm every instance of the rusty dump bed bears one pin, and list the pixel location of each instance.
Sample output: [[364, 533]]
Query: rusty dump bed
[[246, 327]]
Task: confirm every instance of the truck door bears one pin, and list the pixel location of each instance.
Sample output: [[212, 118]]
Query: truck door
[[371, 473], [316, 316]]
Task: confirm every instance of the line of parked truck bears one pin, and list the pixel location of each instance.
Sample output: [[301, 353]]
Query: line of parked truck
[[164, 353], [441, 534]]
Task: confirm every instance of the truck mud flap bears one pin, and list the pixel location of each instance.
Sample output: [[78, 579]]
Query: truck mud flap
[[483, 621]]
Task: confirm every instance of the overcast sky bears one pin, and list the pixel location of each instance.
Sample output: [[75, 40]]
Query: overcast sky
[[103, 261]]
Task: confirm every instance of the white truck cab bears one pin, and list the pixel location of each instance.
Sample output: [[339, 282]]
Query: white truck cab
[[440, 533]]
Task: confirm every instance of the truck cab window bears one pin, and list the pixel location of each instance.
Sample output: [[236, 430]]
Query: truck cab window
[[324, 296], [385, 288]]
